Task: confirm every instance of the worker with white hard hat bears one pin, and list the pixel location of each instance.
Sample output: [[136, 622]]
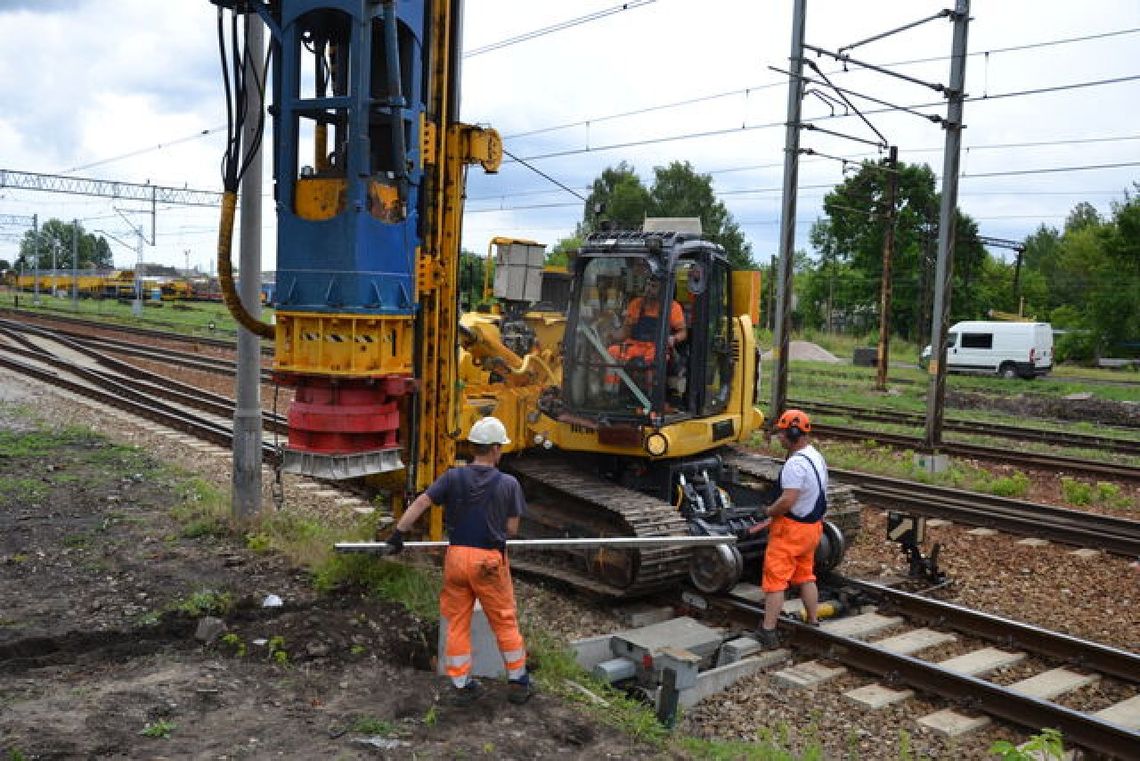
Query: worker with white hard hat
[[482, 508]]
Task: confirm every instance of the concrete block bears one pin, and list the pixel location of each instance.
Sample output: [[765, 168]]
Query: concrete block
[[1052, 683], [807, 674], [486, 659], [736, 650], [683, 663], [862, 625], [913, 641], [1033, 542], [953, 724], [716, 680], [981, 661], [1086, 553], [642, 614], [980, 531], [591, 651], [932, 463], [1125, 713], [938, 522], [615, 670], [876, 696]]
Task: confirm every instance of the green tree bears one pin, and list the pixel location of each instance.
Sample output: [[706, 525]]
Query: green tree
[[56, 236], [852, 232], [561, 251], [679, 191], [620, 197], [617, 196]]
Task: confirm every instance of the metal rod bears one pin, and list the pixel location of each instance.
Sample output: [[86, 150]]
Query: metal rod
[[560, 543], [941, 14], [937, 87]]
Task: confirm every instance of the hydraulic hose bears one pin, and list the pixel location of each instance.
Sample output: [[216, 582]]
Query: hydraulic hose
[[226, 271]]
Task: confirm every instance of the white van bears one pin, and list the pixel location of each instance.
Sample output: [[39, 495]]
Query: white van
[[1008, 349]]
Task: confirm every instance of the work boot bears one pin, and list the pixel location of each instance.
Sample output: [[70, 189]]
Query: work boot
[[768, 638], [519, 690], [466, 695]]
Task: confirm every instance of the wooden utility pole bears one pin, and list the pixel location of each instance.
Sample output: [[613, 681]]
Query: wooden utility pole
[[888, 254]]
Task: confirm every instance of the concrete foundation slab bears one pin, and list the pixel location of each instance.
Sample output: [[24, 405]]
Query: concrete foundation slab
[[591, 651], [938, 522], [486, 659], [639, 615], [736, 650], [716, 680], [1125, 713], [982, 532], [1034, 542], [953, 724], [1053, 683], [1086, 553], [913, 641], [862, 625], [682, 633], [807, 674], [981, 661], [875, 696]]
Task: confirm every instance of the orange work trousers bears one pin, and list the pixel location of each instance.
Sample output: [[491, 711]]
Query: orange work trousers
[[790, 553], [629, 350], [470, 574]]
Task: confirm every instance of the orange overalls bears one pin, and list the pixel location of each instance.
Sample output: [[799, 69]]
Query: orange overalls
[[642, 341], [483, 574], [790, 554]]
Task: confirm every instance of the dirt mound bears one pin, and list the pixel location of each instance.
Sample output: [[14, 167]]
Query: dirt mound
[[103, 592], [1029, 406], [805, 350]]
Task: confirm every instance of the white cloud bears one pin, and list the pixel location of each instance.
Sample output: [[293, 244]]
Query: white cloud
[[86, 81]]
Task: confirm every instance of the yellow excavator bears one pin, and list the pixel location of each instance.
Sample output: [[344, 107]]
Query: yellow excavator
[[623, 412]]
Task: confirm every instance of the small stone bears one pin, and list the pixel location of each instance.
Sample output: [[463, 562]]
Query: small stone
[[209, 629]]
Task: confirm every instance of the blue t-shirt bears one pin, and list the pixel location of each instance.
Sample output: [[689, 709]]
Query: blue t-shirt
[[477, 500]]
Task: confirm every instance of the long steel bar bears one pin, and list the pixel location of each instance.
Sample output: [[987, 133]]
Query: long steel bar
[[941, 14], [573, 543]]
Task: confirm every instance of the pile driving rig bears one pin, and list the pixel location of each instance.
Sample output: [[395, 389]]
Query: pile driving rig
[[369, 172]]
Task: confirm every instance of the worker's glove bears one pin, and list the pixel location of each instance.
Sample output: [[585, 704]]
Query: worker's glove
[[744, 535], [396, 542]]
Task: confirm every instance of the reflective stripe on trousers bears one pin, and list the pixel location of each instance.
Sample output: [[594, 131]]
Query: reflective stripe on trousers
[[469, 574]]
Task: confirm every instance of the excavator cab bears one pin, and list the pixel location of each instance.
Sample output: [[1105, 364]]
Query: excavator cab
[[648, 338]]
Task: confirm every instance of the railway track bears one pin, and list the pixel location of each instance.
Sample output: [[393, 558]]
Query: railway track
[[1113, 443], [117, 383], [1082, 529], [889, 643]]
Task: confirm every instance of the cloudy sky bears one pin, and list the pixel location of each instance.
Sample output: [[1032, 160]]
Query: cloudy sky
[[131, 91]]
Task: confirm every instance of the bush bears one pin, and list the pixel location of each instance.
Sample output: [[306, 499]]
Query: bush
[[1076, 492]]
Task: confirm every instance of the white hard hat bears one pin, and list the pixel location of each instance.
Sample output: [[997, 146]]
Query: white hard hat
[[488, 430]]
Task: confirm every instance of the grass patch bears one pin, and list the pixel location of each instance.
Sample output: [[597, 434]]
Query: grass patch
[[415, 588]]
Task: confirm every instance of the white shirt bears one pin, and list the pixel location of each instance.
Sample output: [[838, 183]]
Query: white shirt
[[797, 474]]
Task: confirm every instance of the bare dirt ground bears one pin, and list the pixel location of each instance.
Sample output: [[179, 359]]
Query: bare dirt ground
[[101, 594]]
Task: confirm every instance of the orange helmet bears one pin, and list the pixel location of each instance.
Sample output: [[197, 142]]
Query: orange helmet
[[795, 422]]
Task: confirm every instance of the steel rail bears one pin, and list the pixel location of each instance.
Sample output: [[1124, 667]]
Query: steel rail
[[1080, 729], [1080, 529], [1076, 527], [1114, 471], [999, 430]]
